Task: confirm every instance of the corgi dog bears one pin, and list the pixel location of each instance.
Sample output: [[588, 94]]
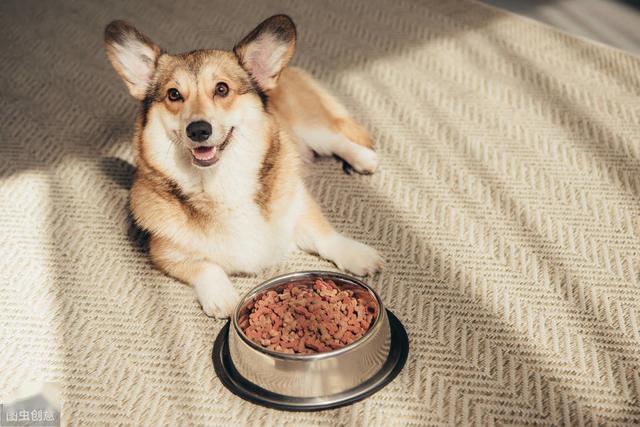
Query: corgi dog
[[219, 140]]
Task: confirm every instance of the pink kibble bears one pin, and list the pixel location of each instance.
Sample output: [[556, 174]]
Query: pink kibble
[[307, 318]]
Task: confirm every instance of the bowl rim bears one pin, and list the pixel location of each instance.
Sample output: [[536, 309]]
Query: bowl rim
[[282, 279]]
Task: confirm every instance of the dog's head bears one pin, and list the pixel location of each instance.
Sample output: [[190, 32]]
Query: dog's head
[[201, 99]]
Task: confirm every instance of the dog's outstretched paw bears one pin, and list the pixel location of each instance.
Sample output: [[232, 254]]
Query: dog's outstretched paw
[[355, 257], [365, 161], [216, 294]]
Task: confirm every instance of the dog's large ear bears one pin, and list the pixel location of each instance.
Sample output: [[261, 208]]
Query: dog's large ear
[[266, 50], [132, 54]]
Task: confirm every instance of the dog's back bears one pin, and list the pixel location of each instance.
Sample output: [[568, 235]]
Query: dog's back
[[318, 122]]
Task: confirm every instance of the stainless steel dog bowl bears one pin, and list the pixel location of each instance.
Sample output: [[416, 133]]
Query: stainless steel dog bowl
[[311, 381]]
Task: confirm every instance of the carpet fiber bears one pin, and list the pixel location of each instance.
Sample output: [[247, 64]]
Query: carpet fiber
[[506, 206]]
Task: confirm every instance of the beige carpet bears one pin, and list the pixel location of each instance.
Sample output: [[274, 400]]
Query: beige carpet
[[507, 208]]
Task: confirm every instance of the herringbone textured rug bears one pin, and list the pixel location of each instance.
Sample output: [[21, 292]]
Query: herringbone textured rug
[[506, 206]]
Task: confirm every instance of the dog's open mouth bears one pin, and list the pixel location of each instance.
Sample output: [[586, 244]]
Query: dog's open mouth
[[208, 155]]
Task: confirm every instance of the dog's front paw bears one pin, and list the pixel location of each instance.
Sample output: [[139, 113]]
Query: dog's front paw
[[353, 256], [215, 292], [365, 160]]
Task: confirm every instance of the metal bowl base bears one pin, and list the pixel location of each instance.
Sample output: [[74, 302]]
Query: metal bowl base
[[248, 391]]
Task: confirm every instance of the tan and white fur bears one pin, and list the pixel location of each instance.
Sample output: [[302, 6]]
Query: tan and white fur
[[219, 141]]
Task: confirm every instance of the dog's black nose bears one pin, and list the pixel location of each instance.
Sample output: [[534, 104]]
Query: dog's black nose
[[199, 131]]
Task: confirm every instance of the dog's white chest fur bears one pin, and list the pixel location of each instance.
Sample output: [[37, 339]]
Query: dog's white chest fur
[[241, 238]]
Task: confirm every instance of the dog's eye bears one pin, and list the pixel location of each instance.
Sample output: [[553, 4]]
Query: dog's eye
[[222, 89], [174, 95]]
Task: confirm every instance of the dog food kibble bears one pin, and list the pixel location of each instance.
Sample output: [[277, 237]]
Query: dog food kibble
[[307, 319]]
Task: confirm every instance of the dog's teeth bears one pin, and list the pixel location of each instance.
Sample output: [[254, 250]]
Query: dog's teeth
[[202, 157], [213, 154]]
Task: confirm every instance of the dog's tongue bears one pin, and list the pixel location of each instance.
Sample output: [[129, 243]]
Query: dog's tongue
[[204, 153]]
